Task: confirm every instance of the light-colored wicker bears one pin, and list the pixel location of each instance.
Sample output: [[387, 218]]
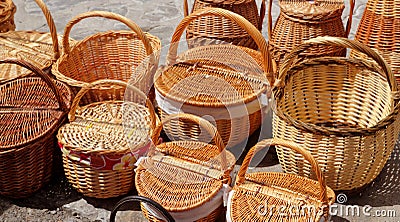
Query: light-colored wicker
[[31, 110], [221, 78], [223, 29], [300, 20], [103, 140], [184, 175], [108, 55], [345, 112], [7, 11], [275, 196]]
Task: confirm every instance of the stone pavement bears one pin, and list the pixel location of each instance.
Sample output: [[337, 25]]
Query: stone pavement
[[60, 202]]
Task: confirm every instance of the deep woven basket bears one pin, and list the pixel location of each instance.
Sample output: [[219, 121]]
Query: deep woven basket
[[345, 111], [7, 11], [218, 28], [272, 196], [121, 55], [31, 110], [184, 175], [103, 140]]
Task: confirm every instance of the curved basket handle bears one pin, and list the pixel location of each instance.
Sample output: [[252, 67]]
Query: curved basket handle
[[242, 22], [133, 26], [293, 146], [42, 75], [151, 202]]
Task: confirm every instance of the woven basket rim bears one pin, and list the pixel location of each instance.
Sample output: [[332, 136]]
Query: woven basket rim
[[305, 10]]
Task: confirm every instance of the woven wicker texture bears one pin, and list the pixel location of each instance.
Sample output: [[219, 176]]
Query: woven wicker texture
[[102, 132], [223, 29], [300, 20], [268, 189], [345, 111], [31, 110], [108, 55], [7, 11], [183, 175]]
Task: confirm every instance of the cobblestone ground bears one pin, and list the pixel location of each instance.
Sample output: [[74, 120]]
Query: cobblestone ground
[[58, 201]]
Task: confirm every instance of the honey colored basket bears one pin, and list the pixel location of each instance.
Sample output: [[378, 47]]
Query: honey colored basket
[[220, 28], [108, 55], [235, 98], [187, 178], [300, 20], [31, 110], [345, 111], [103, 140], [276, 196], [7, 11]]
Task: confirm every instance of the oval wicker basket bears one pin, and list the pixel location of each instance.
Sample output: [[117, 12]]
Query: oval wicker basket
[[7, 11], [234, 98], [31, 110], [218, 28], [345, 111], [123, 55], [272, 196], [103, 140], [186, 177]]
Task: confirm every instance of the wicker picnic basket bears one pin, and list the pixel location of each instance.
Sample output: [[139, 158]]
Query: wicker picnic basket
[[7, 11], [345, 111], [103, 140], [276, 196], [300, 20], [31, 110], [233, 97], [188, 178], [108, 55], [220, 28]]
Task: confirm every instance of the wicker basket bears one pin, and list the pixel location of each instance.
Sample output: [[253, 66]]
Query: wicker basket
[[218, 88], [274, 196], [7, 11], [103, 140], [186, 177], [345, 111], [300, 20], [122, 55], [220, 28], [31, 111]]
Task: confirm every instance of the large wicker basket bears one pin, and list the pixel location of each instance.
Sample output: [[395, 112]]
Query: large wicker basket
[[235, 98], [103, 140], [7, 11], [300, 20], [188, 178], [220, 28], [32, 109], [345, 111], [122, 55], [275, 196]]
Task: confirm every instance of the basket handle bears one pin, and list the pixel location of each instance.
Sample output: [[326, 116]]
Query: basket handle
[[149, 201], [293, 146], [242, 22], [350, 19], [133, 26], [42, 75]]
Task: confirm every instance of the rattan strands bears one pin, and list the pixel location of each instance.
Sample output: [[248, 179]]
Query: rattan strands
[[31, 110], [7, 11], [103, 140], [268, 189], [345, 111]]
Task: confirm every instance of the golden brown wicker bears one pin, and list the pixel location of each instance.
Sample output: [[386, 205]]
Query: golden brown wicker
[[108, 55], [208, 80], [185, 175], [223, 29], [345, 111], [31, 110], [300, 20], [7, 11], [275, 196], [103, 140]]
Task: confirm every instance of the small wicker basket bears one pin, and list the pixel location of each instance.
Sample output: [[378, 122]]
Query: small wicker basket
[[31, 110], [103, 140], [7, 11], [345, 111], [274, 196]]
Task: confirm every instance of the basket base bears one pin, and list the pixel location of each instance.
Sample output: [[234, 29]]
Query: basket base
[[354, 192]]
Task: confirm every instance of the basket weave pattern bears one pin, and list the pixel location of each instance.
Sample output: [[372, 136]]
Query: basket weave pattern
[[7, 11]]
